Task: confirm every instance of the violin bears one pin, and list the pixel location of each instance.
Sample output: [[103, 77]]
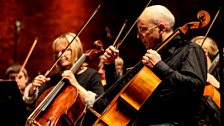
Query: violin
[[139, 83]]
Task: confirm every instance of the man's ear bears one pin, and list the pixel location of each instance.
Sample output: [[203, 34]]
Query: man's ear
[[162, 27]]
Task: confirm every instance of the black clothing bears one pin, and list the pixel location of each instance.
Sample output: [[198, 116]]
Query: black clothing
[[183, 72], [209, 113], [90, 80], [111, 77], [111, 74]]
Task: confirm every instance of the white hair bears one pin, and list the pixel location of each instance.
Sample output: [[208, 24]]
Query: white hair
[[159, 14]]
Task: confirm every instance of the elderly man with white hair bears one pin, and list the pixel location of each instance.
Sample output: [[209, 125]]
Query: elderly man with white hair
[[181, 65]]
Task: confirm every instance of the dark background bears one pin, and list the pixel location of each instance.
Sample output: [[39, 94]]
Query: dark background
[[46, 19]]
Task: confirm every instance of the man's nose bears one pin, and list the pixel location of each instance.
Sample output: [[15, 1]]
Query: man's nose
[[139, 35]]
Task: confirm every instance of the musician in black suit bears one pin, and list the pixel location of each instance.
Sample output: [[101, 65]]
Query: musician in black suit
[[181, 65]]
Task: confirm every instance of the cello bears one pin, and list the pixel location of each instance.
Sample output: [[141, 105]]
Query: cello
[[138, 87], [61, 100], [210, 90]]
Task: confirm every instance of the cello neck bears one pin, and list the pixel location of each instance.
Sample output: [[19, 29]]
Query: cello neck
[[78, 63], [160, 46]]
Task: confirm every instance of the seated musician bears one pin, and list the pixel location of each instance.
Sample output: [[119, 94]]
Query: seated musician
[[119, 65], [22, 80], [181, 66], [209, 112], [101, 70], [86, 80], [107, 83], [210, 48]]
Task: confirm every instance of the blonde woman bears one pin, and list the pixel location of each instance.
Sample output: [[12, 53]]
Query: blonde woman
[[210, 48], [86, 80]]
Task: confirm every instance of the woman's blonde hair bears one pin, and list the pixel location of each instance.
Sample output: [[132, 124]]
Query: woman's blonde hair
[[209, 45], [75, 47]]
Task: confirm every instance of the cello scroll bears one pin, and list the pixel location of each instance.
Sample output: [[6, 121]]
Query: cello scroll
[[204, 19]]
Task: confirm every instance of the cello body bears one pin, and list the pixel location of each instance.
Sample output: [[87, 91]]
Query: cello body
[[211, 91], [129, 100], [61, 104], [68, 103]]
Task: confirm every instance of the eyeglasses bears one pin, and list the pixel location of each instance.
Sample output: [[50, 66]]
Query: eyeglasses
[[57, 54], [144, 29]]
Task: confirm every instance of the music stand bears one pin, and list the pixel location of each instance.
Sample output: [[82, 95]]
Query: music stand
[[12, 107]]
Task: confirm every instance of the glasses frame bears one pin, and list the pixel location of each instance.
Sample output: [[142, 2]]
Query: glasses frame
[[58, 54], [144, 29]]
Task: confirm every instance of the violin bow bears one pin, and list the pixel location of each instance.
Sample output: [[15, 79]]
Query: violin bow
[[92, 15], [28, 55]]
